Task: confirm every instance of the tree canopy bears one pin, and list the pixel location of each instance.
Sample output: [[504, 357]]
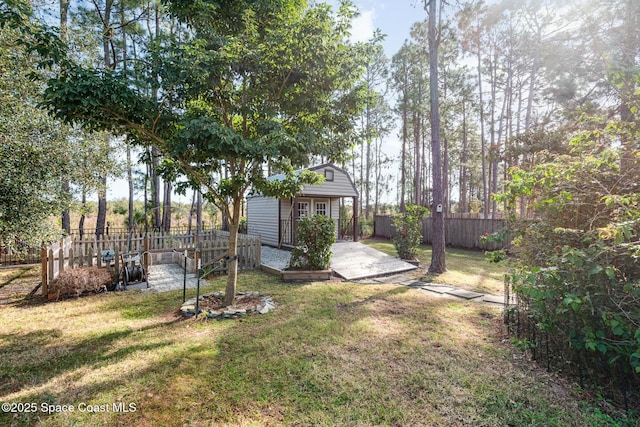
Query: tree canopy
[[32, 148], [239, 85]]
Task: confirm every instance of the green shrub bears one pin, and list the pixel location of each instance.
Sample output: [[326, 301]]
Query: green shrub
[[578, 276], [408, 227], [314, 237]]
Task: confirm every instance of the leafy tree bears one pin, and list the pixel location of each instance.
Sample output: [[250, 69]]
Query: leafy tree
[[33, 149], [374, 121], [409, 74], [249, 82], [401, 74]]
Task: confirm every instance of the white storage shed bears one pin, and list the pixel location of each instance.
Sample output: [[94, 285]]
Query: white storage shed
[[275, 219]]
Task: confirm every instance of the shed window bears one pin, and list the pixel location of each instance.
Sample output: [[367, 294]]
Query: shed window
[[303, 209], [321, 208], [328, 175]]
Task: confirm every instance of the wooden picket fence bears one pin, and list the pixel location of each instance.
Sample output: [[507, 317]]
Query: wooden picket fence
[[249, 250], [157, 248]]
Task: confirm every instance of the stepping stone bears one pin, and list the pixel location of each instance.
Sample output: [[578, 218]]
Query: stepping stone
[[464, 294], [440, 289], [416, 284], [495, 299], [392, 279]]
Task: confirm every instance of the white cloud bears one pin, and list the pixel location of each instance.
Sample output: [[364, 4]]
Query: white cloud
[[362, 26]]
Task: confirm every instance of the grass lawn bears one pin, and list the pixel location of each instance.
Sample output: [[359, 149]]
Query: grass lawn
[[17, 282], [329, 354], [466, 269]]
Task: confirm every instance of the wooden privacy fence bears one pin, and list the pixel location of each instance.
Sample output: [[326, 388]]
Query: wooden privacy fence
[[157, 248], [458, 232]]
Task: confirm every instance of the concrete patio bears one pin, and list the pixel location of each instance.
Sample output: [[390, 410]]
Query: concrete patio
[[350, 260], [354, 261]]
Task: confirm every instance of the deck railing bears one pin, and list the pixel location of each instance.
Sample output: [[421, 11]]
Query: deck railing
[[286, 232]]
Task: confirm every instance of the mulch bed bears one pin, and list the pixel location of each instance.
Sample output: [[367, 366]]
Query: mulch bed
[[246, 302]]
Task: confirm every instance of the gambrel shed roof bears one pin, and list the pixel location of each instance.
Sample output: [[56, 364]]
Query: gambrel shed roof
[[337, 182]]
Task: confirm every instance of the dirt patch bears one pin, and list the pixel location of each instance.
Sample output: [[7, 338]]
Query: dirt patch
[[241, 302]]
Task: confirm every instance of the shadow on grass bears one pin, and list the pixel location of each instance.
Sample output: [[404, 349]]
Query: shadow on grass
[[137, 387], [329, 354], [314, 362], [23, 271]]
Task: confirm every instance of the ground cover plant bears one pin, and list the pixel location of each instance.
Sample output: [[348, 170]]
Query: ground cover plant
[[330, 354], [466, 269]]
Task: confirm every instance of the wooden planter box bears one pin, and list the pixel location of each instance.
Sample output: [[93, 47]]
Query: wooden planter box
[[306, 275]]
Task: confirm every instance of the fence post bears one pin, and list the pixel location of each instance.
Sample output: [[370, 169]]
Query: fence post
[[99, 245], [116, 255], [145, 255], [60, 260], [43, 271], [78, 246], [50, 262], [259, 251], [196, 256]]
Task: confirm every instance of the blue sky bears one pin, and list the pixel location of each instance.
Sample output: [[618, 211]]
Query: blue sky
[[393, 17]]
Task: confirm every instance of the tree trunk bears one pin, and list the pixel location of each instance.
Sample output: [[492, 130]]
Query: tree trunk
[[445, 174], [64, 8], [438, 264], [361, 180], [166, 207], [155, 153], [102, 207], [199, 213], [232, 265], [416, 154], [83, 209], [403, 174], [108, 64], [367, 178], [463, 207], [191, 211], [155, 188], [66, 218], [483, 149], [532, 88], [378, 174]]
